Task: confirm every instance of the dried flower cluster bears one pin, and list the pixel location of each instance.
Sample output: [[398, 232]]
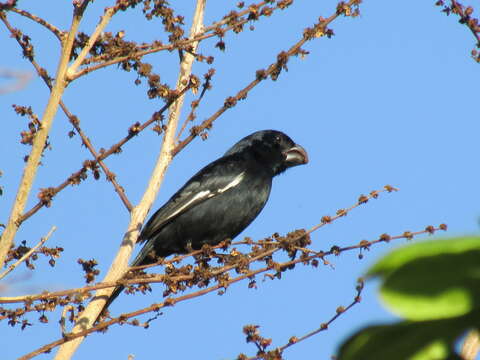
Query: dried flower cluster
[[466, 18]]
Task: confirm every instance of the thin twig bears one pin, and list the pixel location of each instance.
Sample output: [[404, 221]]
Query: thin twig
[[323, 327], [56, 31], [186, 63], [207, 33], [140, 54], [465, 18], [242, 13], [195, 104], [104, 20], [214, 26], [28, 254], [40, 71], [108, 174]]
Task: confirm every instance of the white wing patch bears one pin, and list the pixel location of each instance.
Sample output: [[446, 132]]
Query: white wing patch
[[201, 195], [206, 194], [234, 182]]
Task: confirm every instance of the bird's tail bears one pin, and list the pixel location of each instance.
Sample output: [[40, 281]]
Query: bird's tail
[[141, 259], [112, 297]]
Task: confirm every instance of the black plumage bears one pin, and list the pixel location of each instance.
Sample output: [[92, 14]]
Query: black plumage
[[219, 201]]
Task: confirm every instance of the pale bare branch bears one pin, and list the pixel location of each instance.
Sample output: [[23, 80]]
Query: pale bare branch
[[139, 213], [105, 19]]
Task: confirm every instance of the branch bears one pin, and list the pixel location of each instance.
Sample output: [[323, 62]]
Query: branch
[[319, 29], [221, 285], [325, 220], [227, 18], [465, 18], [208, 32], [41, 136], [139, 213], [108, 174], [195, 103], [105, 19], [29, 253], [56, 31], [323, 327]]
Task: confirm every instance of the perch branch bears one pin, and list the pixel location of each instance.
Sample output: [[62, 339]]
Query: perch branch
[[221, 285]]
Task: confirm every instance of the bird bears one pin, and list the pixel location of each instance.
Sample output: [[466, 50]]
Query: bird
[[220, 200]]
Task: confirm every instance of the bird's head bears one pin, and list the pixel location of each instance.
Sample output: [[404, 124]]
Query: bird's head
[[273, 149]]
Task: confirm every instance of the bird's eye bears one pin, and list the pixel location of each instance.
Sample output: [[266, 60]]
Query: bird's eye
[[278, 139]]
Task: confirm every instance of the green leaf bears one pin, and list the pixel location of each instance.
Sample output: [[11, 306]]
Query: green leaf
[[408, 340], [432, 280], [423, 249]]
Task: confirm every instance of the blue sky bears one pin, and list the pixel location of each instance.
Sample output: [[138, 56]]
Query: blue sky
[[390, 99]]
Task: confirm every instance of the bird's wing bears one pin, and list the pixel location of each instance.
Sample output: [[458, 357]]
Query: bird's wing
[[207, 183]]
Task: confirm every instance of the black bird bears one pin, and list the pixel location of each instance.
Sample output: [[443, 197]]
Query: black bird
[[219, 201]]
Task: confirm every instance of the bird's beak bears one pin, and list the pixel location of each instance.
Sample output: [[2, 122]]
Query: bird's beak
[[296, 155]]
